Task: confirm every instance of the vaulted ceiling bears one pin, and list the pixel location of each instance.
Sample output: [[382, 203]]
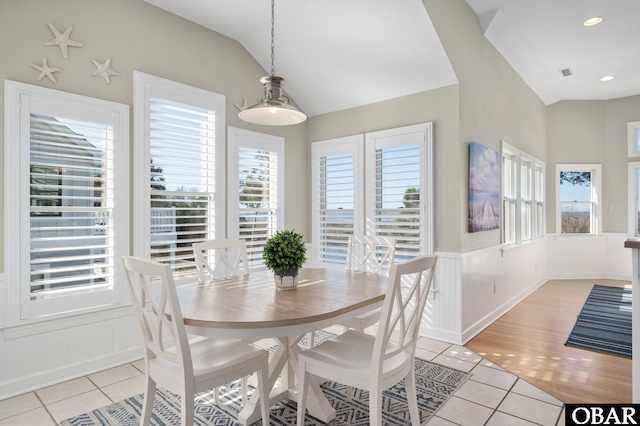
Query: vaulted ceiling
[[337, 54]]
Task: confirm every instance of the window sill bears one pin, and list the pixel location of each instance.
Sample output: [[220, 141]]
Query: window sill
[[42, 326]]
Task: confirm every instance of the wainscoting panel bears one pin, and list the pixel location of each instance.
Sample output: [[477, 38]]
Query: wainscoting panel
[[580, 257], [33, 360]]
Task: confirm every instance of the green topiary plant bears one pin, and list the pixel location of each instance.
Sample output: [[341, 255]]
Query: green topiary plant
[[284, 252]]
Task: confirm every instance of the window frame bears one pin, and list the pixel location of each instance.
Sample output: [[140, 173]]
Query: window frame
[[147, 86], [596, 196], [633, 139], [515, 198], [634, 198], [364, 148], [19, 309], [238, 138], [353, 144], [539, 188], [382, 139]]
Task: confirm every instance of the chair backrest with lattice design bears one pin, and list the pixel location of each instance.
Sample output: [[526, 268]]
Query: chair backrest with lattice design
[[371, 254], [221, 258], [409, 285], [154, 297]]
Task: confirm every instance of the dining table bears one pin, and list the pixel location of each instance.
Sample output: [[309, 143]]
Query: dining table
[[250, 307]]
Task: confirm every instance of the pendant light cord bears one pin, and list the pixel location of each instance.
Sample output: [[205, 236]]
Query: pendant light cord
[[273, 37]]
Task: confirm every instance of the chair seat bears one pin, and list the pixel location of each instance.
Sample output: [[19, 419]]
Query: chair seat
[[231, 356], [351, 353]]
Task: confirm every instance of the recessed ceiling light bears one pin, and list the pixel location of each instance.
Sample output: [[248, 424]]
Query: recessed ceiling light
[[607, 78], [592, 21]]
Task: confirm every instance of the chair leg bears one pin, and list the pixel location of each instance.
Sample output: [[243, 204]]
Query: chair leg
[[412, 398], [149, 396], [187, 406], [303, 390], [375, 406], [265, 405], [216, 396], [245, 383]]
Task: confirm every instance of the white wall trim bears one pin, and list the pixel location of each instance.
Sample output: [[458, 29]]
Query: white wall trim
[[40, 327], [67, 372]]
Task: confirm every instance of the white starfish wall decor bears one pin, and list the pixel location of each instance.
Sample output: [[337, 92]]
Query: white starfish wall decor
[[46, 70], [62, 40], [104, 70]]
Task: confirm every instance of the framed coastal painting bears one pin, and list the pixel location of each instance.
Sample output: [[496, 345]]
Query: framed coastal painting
[[484, 188]]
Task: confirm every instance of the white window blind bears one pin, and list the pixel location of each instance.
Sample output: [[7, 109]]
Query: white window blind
[[67, 161], [256, 189], [338, 197], [71, 206], [258, 199], [336, 207], [179, 181], [182, 181], [399, 188]]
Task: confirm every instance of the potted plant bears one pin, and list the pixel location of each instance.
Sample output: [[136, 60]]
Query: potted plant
[[284, 253]]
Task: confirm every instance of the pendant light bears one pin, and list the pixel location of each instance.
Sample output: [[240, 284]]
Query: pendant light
[[273, 109]]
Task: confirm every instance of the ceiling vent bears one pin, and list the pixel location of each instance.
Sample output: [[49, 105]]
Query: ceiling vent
[[566, 72]]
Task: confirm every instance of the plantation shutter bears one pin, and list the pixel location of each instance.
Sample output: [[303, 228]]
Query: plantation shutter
[[336, 207], [71, 207], [66, 166], [399, 189], [338, 197], [258, 199], [182, 148]]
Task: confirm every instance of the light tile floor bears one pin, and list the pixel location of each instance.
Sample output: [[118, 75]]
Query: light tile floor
[[491, 396]]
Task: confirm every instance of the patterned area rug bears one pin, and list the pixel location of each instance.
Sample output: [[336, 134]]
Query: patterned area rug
[[435, 384], [604, 324]]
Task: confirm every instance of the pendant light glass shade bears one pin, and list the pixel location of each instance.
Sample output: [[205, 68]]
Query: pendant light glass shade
[[273, 109]]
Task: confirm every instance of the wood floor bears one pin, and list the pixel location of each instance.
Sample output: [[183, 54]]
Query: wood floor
[[529, 342]]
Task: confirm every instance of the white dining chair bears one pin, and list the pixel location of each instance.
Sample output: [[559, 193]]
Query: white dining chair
[[375, 363], [369, 253], [171, 360], [221, 258]]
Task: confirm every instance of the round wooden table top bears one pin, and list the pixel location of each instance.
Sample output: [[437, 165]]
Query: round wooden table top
[[253, 302]]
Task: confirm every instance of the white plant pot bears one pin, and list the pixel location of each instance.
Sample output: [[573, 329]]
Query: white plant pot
[[285, 282]]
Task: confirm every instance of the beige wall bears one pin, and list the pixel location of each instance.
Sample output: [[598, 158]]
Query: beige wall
[[138, 36], [439, 106], [593, 132], [495, 103]]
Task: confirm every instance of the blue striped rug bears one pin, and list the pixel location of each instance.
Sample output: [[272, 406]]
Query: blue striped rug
[[604, 324]]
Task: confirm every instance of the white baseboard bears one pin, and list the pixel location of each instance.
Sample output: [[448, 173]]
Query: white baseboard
[[68, 372]]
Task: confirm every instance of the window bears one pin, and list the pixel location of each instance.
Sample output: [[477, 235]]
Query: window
[[255, 188], [67, 160], [338, 190], [523, 199], [509, 193], [399, 192], [633, 131], [180, 137], [634, 198], [397, 195], [526, 196], [578, 194], [538, 199]]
